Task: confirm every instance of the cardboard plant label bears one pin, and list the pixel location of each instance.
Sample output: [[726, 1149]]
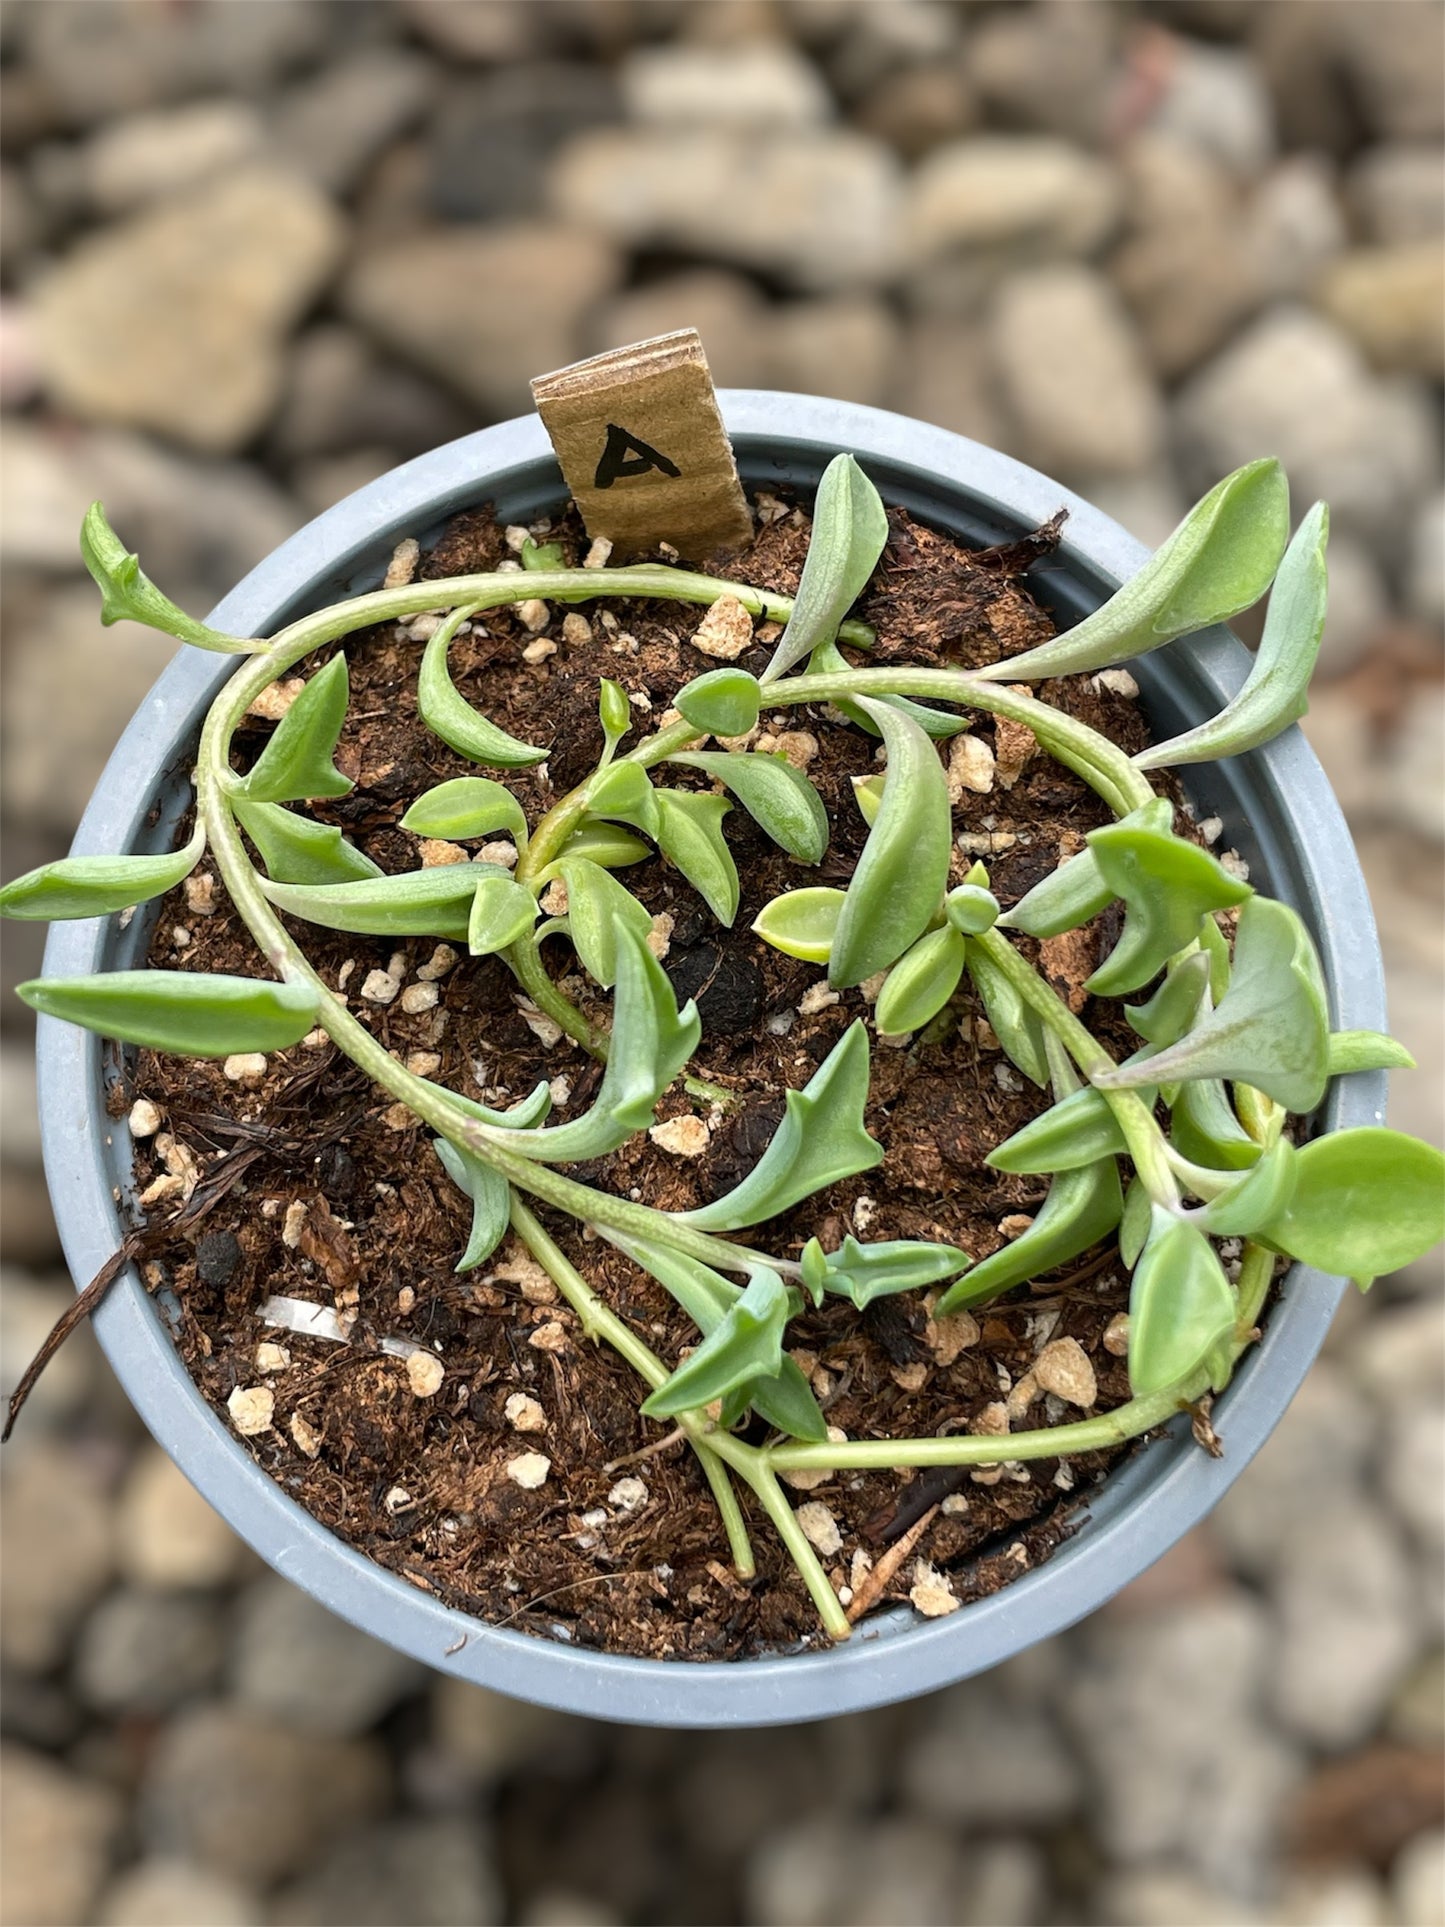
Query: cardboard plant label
[[643, 448]]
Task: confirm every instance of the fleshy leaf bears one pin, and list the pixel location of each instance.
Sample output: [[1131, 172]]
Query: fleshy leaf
[[622, 791], [1015, 1023], [189, 1013], [1135, 1223], [604, 844], [801, 923], [416, 903], [491, 1198], [651, 1041], [1203, 1127], [543, 555], [467, 806], [745, 1346], [820, 1141], [128, 594], [971, 909], [1275, 693], [1220, 559], [779, 798], [862, 1273], [1365, 1202], [1082, 1207], [723, 702], [920, 983], [448, 714], [1350, 1050], [786, 1401], [828, 660], [523, 1116], [295, 849], [1171, 1011], [1253, 1200], [1271, 1029], [93, 886], [597, 904], [1181, 1305], [902, 874], [502, 910], [614, 712], [850, 528], [296, 762], [1167, 885], [1077, 890], [1078, 1130], [868, 795], [689, 834]]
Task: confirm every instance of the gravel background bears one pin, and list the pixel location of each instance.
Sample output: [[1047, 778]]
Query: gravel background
[[255, 253]]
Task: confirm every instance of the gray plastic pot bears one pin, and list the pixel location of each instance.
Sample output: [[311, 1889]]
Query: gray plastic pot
[[1278, 811]]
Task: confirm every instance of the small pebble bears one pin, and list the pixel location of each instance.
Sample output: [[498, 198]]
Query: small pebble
[[437, 854], [271, 1357], [272, 703], [1063, 1368], [1116, 1335], [535, 615], [518, 535], [424, 1373], [424, 627], [551, 1337], [598, 554], [1232, 862], [947, 1337], [438, 964], [1014, 744], [930, 1592], [797, 746], [529, 1470], [419, 997], [1116, 682], [399, 1117], [406, 1300], [659, 937], [524, 1414], [520, 1268], [305, 1436], [576, 629], [1015, 1224], [423, 1063], [380, 987], [546, 1030], [865, 1209], [970, 766], [820, 1528], [683, 1137], [402, 567], [628, 1495], [293, 1224], [726, 631], [246, 1067], [252, 1408], [815, 998], [554, 900], [398, 1499], [200, 889], [180, 936], [145, 1119], [502, 853]]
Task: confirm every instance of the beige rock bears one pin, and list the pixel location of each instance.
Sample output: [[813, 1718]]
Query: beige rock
[[425, 1373], [820, 1528], [1063, 1368], [971, 765], [529, 1470], [1116, 1335], [167, 1535], [56, 1835], [246, 1067], [252, 1409], [683, 1137], [436, 853], [1390, 300], [1013, 745], [525, 1414], [930, 1592], [418, 998], [726, 631]]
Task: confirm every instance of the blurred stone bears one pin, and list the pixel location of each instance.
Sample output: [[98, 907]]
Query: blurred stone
[[731, 316], [1365, 1806], [1359, 605], [1158, 1897], [100, 62], [918, 108], [19, 1106], [873, 40], [945, 377], [325, 480], [1213, 99], [1321, 1446], [251, 1799], [1348, 1624], [1166, 1711], [818, 209], [55, 742], [145, 1652], [1295, 385], [1186, 267], [168, 1535], [1425, 584], [340, 394], [1397, 194], [1417, 1711], [483, 308], [1391, 300], [173, 1893], [56, 1835], [331, 127], [1346, 1896], [39, 1712], [148, 157], [832, 1870], [491, 140], [984, 1759], [29, 1306], [759, 84], [1394, 65], [1294, 226], [426, 1872], [562, 1907], [174, 320], [845, 346], [1417, 1880], [1072, 374], [59, 1551], [490, 30], [21, 221], [487, 1735], [1416, 792], [1150, 505], [1412, 1474], [1051, 67], [198, 526], [1015, 198], [296, 1661]]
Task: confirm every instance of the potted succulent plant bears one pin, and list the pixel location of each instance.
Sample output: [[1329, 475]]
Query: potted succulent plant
[[1258, 1003]]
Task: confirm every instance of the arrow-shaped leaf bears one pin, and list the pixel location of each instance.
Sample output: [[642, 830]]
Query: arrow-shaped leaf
[[189, 1013], [415, 903], [448, 714], [779, 798], [747, 1345], [1078, 890], [850, 528], [1181, 1305], [129, 595], [491, 1198], [689, 834], [597, 907], [297, 850], [1167, 885], [820, 1141], [862, 1273], [296, 762], [93, 886]]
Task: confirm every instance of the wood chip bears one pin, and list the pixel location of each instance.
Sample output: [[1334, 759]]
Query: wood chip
[[890, 1564]]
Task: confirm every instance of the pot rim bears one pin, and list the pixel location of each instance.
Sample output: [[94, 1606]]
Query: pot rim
[[1284, 808]]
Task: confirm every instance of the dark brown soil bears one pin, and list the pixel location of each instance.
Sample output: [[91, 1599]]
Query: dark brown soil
[[420, 1484]]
